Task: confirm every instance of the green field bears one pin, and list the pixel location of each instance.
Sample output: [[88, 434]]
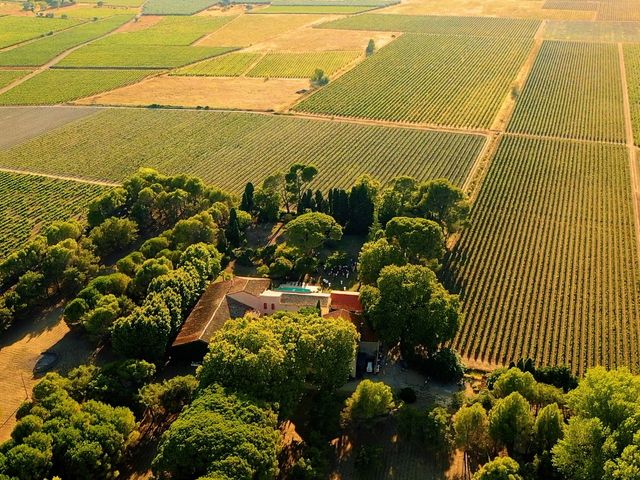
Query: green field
[[313, 9], [229, 149], [121, 3], [41, 51], [436, 25], [334, 3], [176, 7], [29, 202], [592, 31], [231, 65], [453, 81], [573, 91], [301, 65], [632, 66], [549, 266], [19, 29], [8, 76], [135, 56], [169, 31], [90, 12], [69, 85]]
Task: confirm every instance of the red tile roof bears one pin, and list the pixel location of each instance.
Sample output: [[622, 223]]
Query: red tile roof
[[366, 332], [346, 301]]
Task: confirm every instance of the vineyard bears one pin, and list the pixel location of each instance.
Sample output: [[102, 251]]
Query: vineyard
[[8, 76], [229, 149], [69, 85], [88, 12], [301, 65], [14, 30], [571, 5], [231, 65], [626, 11], [592, 31], [632, 65], [27, 203], [176, 7], [121, 3], [41, 51], [315, 9], [133, 56], [439, 25], [454, 81], [573, 91], [549, 267]]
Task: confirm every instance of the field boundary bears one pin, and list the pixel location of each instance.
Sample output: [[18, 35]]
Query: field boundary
[[53, 34], [102, 183]]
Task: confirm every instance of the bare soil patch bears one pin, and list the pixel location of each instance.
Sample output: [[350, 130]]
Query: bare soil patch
[[142, 23], [224, 93], [18, 124]]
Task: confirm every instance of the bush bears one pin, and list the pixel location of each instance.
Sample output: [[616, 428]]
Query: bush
[[444, 366], [407, 395]]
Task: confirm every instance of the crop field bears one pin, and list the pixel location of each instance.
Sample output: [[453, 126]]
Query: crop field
[[19, 29], [315, 9], [549, 267], [175, 7], [169, 31], [28, 202], [439, 25], [42, 50], [90, 12], [120, 3], [571, 5], [626, 11], [8, 76], [336, 3], [301, 65], [134, 56], [632, 67], [69, 85], [443, 80], [247, 30], [592, 31], [229, 149], [573, 91], [231, 65]]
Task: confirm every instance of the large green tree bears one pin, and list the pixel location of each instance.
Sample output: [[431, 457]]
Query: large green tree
[[310, 231], [511, 423]]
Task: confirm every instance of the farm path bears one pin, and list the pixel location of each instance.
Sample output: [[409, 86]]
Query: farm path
[[633, 160], [60, 177], [53, 61]]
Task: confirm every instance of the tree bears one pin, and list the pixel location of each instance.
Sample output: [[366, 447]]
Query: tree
[[579, 455], [511, 423], [59, 231], [432, 428], [515, 380], [376, 255], [411, 307], [500, 468], [471, 425], [319, 79], [170, 396], [420, 240], [148, 271], [247, 203], [370, 400], [371, 47], [338, 208], [310, 231], [267, 204], [114, 235], [362, 205], [547, 429], [233, 233], [443, 202]]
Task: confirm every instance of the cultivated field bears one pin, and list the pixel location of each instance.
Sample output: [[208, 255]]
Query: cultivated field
[[231, 65], [42, 50], [315, 9], [28, 202], [229, 149], [617, 10], [592, 31], [632, 66], [69, 85], [124, 3], [8, 76], [574, 91], [175, 7], [91, 12], [246, 30], [19, 29], [301, 65], [443, 80], [440, 25], [549, 267]]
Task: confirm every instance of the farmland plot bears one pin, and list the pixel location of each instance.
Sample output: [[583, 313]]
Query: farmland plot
[[229, 149], [14, 30], [442, 80], [176, 7], [301, 65], [592, 31], [69, 85], [549, 267], [632, 66], [573, 91], [315, 9], [121, 3], [231, 65], [8, 76], [29, 202], [439, 25], [41, 51]]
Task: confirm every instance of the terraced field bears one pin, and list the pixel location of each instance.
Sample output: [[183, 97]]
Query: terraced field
[[573, 91], [632, 66], [442, 80], [439, 25], [28, 202], [41, 51], [549, 267], [228, 149], [14, 30], [69, 85], [231, 65], [301, 65]]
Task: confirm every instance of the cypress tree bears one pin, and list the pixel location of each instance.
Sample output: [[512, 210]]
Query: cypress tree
[[362, 208], [234, 236], [247, 204]]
